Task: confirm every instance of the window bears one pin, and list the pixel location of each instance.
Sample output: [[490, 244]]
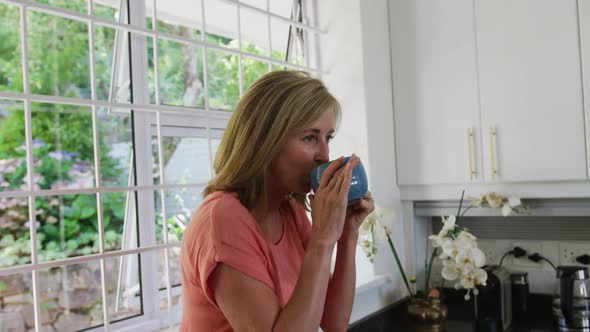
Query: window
[[110, 114]]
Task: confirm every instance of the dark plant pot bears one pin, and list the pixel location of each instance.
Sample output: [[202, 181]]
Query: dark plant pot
[[427, 315]]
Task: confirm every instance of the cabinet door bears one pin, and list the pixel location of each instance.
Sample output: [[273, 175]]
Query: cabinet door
[[531, 91], [435, 91]]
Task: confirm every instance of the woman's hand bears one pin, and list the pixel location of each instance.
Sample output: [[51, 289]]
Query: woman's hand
[[328, 205], [356, 214]]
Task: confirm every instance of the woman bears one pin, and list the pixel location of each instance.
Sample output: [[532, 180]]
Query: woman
[[251, 260]]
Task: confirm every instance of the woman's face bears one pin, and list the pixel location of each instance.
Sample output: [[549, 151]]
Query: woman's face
[[300, 153]]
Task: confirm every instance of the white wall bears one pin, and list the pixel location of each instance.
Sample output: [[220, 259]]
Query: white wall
[[355, 54]]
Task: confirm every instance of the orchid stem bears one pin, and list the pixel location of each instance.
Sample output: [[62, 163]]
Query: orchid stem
[[427, 281], [399, 264], [467, 209]]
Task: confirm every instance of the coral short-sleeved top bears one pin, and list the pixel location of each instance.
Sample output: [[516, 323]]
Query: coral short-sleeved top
[[224, 231]]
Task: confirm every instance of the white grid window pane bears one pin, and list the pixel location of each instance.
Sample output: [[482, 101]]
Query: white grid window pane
[[254, 32], [286, 42], [151, 70], [173, 18], [123, 287], [175, 269], [222, 76], [156, 161], [111, 54], [186, 160], [110, 9], [180, 74], [13, 164], [15, 243], [276, 67], [67, 226], [221, 23], [80, 6], [252, 70], [119, 220], [16, 313], [181, 203], [71, 296], [216, 135], [58, 56], [282, 7], [116, 147], [262, 4], [11, 70], [311, 39], [87, 135], [175, 278], [63, 149], [280, 39]]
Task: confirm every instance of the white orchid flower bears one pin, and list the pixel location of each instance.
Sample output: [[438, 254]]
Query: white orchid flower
[[449, 222], [437, 240], [509, 206], [451, 270], [467, 281], [367, 225], [465, 236], [475, 277], [464, 259], [494, 200], [465, 241], [514, 201], [481, 276], [450, 248], [365, 228], [479, 258], [506, 209], [477, 202]]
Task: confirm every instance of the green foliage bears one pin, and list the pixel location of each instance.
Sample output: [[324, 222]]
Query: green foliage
[[63, 151], [11, 78], [68, 224]]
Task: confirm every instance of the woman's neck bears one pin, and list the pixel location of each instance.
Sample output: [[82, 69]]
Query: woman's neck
[[269, 218]]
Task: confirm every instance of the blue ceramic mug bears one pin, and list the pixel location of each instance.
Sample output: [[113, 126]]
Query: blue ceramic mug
[[359, 184]]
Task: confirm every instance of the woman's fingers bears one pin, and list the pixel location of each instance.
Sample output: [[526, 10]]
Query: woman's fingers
[[346, 178], [330, 171]]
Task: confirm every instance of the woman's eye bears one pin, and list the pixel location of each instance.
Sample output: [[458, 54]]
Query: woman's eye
[[329, 138], [310, 138]]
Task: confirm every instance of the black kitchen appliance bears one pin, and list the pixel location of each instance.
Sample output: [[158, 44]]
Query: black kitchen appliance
[[520, 298], [494, 301]]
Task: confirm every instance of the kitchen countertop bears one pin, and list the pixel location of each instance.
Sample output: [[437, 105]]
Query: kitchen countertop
[[461, 317]]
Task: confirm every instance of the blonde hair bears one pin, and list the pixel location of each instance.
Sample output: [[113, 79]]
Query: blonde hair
[[277, 105]]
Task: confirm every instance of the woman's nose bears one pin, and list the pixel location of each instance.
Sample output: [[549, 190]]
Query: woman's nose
[[323, 154]]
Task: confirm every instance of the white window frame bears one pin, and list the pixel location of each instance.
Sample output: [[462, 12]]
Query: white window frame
[[164, 117]]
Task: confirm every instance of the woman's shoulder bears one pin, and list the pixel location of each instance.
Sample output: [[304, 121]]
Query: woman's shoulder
[[221, 205], [222, 214]]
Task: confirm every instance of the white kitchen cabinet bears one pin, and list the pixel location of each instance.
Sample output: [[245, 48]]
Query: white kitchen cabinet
[[531, 90], [510, 70], [435, 91]]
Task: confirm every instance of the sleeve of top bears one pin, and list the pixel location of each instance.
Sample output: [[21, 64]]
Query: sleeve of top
[[236, 243]]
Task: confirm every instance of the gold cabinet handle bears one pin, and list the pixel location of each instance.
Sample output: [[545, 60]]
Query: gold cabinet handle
[[470, 152], [492, 152]]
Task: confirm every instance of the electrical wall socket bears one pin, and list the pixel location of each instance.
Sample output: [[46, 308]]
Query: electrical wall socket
[[494, 249], [568, 251], [531, 247], [489, 249]]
